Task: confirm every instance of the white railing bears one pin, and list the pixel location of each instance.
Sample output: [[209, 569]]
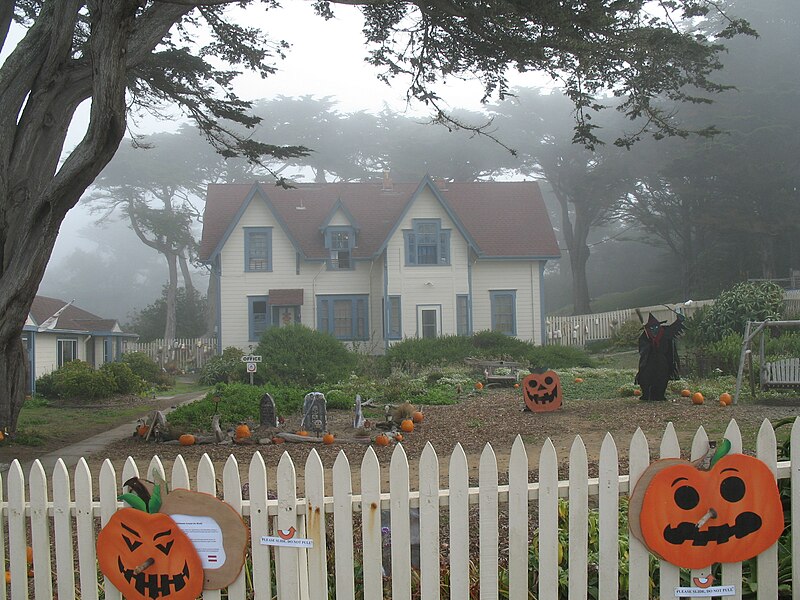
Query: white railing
[[180, 355], [577, 330], [63, 530]]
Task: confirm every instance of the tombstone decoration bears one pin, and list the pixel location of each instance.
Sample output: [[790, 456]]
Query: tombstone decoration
[[658, 356], [694, 514], [358, 414], [315, 414], [268, 416], [542, 391]]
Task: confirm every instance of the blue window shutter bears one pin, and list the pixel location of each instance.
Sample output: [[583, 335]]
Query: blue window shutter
[[444, 247], [411, 247]]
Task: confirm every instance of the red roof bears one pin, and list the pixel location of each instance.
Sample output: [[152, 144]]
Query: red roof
[[505, 219], [71, 318]]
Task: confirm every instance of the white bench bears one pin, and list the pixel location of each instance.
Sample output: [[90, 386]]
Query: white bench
[[784, 373]]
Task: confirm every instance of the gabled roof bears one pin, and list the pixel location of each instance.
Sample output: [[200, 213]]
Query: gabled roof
[[502, 219], [71, 318]]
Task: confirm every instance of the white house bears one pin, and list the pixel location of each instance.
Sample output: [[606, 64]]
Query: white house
[[57, 332], [372, 263]]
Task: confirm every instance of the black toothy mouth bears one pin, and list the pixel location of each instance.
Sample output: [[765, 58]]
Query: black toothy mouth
[[155, 584], [544, 398], [746, 523]]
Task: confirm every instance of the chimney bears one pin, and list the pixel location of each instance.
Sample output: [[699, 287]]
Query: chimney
[[388, 184]]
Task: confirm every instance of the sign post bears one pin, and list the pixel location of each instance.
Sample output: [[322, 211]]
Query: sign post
[[252, 361]]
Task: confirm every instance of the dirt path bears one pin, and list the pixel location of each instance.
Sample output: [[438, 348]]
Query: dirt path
[[495, 417]]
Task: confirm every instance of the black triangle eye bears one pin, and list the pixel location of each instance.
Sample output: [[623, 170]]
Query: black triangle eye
[[132, 544], [165, 548]]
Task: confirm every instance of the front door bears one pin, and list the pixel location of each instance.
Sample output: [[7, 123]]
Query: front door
[[429, 320]]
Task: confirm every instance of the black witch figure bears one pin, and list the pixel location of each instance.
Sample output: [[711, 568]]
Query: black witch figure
[[658, 356]]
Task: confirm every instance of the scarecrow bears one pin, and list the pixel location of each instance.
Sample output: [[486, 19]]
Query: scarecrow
[[658, 356]]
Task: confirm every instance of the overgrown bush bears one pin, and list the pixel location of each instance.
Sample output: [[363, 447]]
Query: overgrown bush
[[299, 356], [732, 309], [626, 336], [76, 380], [415, 354], [143, 366], [224, 368], [125, 380]]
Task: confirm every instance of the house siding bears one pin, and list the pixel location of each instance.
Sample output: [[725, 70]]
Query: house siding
[[427, 285], [518, 275]]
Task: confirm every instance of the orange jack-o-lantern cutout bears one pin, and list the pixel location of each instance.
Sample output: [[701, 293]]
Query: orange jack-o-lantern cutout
[[693, 518], [542, 391], [147, 556]]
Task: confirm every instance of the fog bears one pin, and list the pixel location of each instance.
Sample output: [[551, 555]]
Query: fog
[[670, 220]]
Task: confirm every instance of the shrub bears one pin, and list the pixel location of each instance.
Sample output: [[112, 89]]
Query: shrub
[[224, 368], [303, 357], [626, 335], [733, 308], [125, 380], [558, 357], [143, 366], [76, 380]]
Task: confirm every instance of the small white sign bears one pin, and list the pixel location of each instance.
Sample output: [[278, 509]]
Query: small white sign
[[206, 535], [251, 358], [274, 540], [251, 367], [714, 590]]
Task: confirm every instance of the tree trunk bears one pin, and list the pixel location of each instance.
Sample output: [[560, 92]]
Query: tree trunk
[[187, 275], [172, 298], [211, 305], [575, 237]]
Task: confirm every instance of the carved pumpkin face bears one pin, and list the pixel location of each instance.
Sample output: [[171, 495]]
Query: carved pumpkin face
[[694, 518], [542, 391], [147, 556]]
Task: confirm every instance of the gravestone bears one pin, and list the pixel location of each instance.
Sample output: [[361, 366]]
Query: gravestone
[[269, 418], [358, 416], [315, 414]]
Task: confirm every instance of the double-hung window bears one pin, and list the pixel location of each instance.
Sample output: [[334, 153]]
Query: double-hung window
[[344, 317], [392, 315], [504, 307], [427, 243], [340, 242], [462, 315], [67, 351], [258, 249]]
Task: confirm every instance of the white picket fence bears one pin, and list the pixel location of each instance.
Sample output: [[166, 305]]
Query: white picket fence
[[577, 330], [179, 355], [60, 526]]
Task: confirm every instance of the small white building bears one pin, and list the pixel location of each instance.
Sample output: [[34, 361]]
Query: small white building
[[372, 263], [57, 332]]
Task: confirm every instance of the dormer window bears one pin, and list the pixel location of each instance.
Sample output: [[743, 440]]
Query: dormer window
[[340, 242], [427, 243]]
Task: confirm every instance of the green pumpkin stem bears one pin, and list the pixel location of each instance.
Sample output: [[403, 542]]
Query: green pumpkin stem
[[134, 501], [723, 448]]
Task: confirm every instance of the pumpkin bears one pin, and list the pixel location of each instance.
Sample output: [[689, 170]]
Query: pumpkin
[[242, 431], [516, 386], [578, 380], [398, 437], [29, 555], [637, 392], [478, 385], [187, 439], [697, 398], [328, 439], [142, 430], [278, 440], [686, 393], [407, 425], [382, 439], [725, 399], [417, 416], [147, 556], [693, 518], [542, 391], [8, 576], [303, 432]]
